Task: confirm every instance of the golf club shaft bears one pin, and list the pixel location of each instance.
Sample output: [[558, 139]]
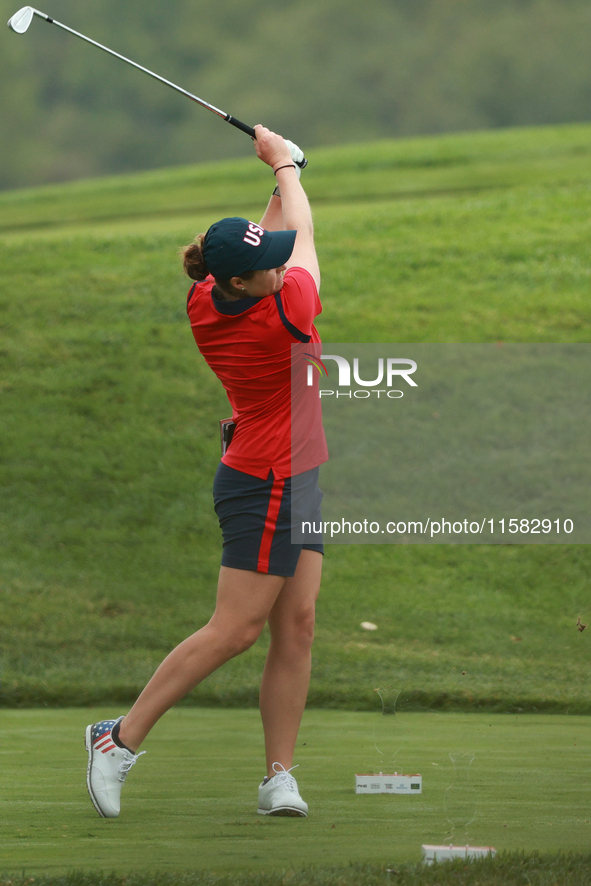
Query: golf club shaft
[[227, 117]]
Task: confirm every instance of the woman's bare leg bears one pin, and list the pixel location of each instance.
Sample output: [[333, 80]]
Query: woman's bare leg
[[286, 677], [244, 601]]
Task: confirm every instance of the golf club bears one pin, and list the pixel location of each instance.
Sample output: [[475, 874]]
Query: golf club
[[20, 23]]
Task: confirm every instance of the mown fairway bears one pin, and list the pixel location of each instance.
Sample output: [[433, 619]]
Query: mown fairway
[[109, 544], [190, 802]]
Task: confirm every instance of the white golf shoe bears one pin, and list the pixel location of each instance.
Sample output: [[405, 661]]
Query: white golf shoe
[[107, 770], [279, 794]]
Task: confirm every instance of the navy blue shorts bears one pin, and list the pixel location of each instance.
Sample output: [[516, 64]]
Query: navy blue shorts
[[256, 519]]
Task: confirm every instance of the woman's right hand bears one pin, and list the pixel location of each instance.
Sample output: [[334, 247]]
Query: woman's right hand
[[271, 148]]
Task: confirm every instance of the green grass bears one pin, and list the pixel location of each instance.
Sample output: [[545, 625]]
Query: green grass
[[476, 629], [399, 169], [512, 869], [190, 801], [107, 533], [109, 550]]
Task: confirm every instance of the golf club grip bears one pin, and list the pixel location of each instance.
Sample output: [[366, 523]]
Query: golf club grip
[[240, 125], [250, 131]]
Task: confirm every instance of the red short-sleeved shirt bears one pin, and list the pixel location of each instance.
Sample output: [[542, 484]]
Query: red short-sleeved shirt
[[248, 344]]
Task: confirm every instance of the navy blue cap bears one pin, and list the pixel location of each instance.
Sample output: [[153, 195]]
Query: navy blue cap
[[233, 246]]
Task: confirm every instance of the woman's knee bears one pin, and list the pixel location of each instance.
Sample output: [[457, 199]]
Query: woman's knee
[[248, 637], [305, 626], [297, 633], [235, 639]]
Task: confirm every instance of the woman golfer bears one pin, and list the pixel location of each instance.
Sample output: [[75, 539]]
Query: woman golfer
[[256, 295]]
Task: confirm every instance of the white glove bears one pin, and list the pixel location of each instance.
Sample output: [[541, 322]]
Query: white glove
[[297, 155]]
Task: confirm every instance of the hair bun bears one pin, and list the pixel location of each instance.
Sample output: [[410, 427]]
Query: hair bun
[[193, 261]]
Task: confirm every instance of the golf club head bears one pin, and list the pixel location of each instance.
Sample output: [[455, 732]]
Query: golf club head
[[20, 21]]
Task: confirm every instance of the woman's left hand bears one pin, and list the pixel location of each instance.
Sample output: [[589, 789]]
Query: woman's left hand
[[271, 148]]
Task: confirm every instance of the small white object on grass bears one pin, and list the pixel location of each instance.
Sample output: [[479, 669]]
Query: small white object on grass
[[431, 854], [388, 784], [368, 626]]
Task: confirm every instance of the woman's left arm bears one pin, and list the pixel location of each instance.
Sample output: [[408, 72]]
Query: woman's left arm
[[272, 220]]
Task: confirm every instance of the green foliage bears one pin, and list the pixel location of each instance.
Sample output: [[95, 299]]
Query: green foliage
[[107, 532], [320, 72]]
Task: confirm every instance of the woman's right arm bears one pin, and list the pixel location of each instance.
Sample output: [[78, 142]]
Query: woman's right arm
[[297, 215]]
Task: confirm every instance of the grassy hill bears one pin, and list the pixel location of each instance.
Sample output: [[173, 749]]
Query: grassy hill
[[109, 545]]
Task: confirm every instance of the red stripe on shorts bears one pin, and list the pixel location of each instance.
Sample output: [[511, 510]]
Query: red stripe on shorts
[[270, 524]]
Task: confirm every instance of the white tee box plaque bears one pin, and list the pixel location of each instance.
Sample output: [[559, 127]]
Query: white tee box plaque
[[430, 853], [388, 784]]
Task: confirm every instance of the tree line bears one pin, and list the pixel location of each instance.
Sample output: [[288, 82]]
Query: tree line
[[319, 71]]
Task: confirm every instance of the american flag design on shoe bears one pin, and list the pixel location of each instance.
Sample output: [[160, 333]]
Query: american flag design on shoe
[[100, 736]]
